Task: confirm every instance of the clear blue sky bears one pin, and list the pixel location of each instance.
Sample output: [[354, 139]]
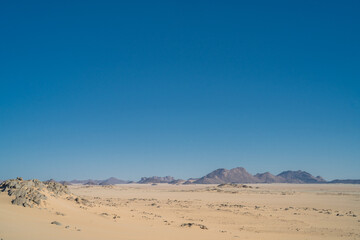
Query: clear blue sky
[[93, 89]]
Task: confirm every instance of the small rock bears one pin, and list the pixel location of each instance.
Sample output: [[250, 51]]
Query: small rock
[[194, 224], [56, 223]]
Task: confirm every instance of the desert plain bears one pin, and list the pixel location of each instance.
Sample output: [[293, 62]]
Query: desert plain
[[201, 212]]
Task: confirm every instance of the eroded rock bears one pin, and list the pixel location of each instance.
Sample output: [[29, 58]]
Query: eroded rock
[[30, 193]]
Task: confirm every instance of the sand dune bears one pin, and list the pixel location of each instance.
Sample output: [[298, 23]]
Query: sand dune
[[136, 211]]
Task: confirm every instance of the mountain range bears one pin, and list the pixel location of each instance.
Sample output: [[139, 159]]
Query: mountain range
[[222, 175], [240, 175]]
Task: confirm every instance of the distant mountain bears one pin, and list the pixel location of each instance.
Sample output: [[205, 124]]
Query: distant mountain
[[85, 181], [91, 182], [269, 178], [300, 177], [177, 181], [191, 181], [221, 175], [113, 181], [156, 179], [240, 175], [346, 181], [65, 183]]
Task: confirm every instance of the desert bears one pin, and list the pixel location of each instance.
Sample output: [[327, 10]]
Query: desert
[[180, 120], [195, 211]]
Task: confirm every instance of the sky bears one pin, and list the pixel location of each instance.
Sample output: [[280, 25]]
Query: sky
[[94, 89]]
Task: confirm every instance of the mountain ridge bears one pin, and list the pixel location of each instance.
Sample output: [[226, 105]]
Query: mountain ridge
[[222, 176]]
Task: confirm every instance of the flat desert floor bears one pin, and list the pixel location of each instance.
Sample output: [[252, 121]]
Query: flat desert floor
[[135, 211]]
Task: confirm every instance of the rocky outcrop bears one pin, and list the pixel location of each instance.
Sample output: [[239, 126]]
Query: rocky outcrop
[[156, 179], [31, 193]]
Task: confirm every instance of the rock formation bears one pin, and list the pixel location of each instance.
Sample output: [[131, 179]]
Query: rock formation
[[155, 179], [32, 193]]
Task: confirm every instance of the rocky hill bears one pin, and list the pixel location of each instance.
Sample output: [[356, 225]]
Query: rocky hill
[[300, 177], [235, 175]]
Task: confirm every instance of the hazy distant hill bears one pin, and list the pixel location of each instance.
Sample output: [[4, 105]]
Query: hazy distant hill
[[91, 182], [177, 181], [65, 182], [85, 181], [346, 181], [156, 179], [113, 181], [235, 175], [190, 181], [109, 181], [300, 177]]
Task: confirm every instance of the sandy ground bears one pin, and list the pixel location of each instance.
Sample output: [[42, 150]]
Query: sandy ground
[[131, 212]]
